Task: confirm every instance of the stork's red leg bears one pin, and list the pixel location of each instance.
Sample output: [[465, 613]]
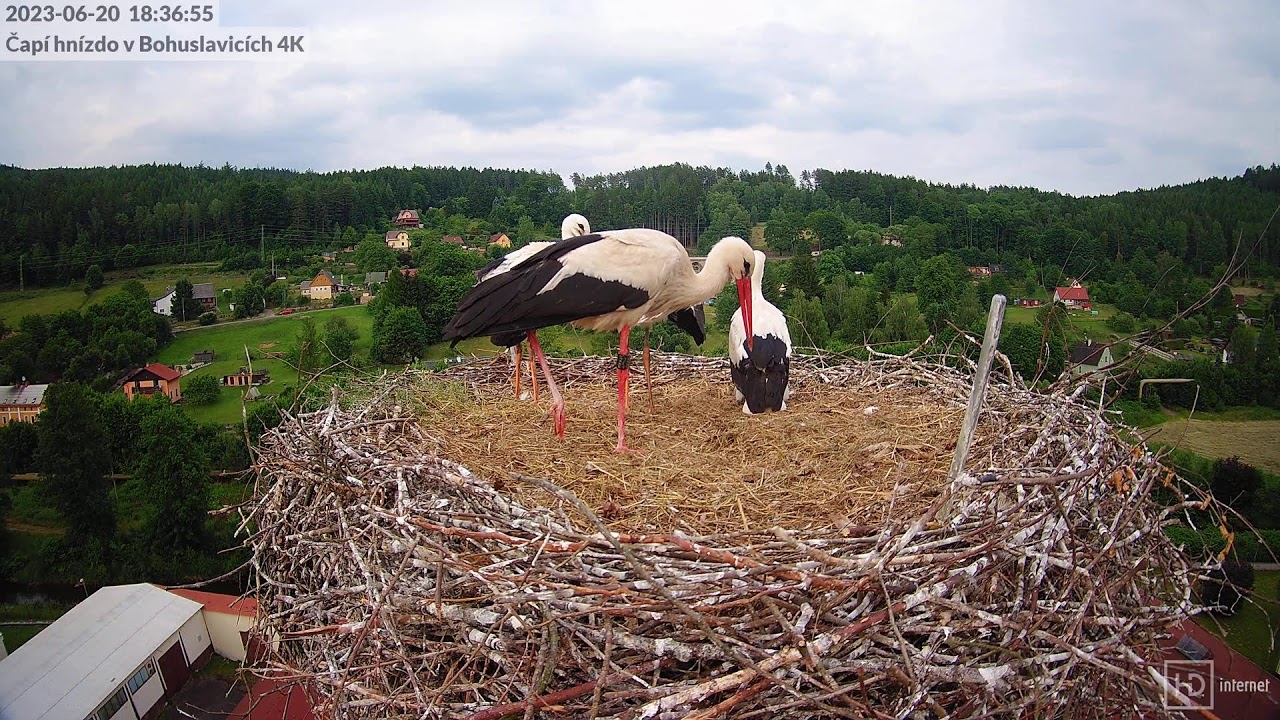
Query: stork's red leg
[[624, 375], [648, 377], [557, 402], [518, 365]]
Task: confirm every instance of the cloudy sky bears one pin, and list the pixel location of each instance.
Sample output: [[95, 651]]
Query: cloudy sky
[[1086, 98]]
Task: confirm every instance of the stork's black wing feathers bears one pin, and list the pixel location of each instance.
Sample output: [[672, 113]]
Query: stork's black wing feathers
[[489, 268], [762, 376], [692, 320], [508, 305]]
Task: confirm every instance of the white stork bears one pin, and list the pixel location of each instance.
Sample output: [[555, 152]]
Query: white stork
[[760, 368], [574, 225], [609, 281]]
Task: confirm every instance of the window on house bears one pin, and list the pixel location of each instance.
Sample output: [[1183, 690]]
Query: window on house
[[110, 707], [141, 677]]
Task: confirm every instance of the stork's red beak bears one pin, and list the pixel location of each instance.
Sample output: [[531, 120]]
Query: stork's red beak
[[744, 301]]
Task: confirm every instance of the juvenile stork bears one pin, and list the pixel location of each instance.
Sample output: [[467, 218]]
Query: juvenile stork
[[610, 281], [760, 351], [574, 225]]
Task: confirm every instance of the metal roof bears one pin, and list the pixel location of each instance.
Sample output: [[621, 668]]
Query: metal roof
[[76, 663], [202, 290], [22, 394]]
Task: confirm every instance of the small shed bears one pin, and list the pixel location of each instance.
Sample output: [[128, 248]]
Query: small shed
[[203, 356]]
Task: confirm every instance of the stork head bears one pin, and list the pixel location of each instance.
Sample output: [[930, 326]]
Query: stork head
[[574, 225], [741, 261]]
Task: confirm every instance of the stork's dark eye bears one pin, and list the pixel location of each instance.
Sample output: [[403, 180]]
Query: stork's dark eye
[[746, 268]]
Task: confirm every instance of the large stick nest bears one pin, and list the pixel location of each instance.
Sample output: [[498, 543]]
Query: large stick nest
[[400, 583]]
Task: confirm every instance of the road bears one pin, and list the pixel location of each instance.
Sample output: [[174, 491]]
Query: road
[[268, 315]]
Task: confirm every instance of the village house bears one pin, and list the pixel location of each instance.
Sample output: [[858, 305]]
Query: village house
[[329, 256], [152, 379], [203, 357], [1027, 302], [453, 240], [117, 655], [397, 240], [1088, 356], [304, 288], [323, 286], [1239, 301], [203, 294], [163, 305], [500, 239], [21, 403], [374, 278], [407, 219], [1074, 296], [979, 272], [242, 378]]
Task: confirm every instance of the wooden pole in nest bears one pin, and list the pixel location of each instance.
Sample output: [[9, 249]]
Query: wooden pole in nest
[[995, 319]]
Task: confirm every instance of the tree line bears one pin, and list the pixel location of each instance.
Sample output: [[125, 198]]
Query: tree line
[[56, 224]]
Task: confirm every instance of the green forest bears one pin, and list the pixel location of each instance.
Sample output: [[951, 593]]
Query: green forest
[[55, 224]]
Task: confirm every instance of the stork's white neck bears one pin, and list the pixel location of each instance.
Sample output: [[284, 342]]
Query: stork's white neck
[[708, 283]]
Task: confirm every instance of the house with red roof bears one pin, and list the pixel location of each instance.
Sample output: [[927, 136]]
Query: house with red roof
[[1073, 296], [230, 622], [151, 380]]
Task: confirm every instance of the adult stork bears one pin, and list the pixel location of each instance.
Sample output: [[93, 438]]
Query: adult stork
[[574, 225], [760, 351], [610, 281]]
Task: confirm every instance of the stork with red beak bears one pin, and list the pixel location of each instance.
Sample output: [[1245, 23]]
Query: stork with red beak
[[609, 281]]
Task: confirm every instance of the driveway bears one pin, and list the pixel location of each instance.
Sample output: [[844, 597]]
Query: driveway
[[205, 698]]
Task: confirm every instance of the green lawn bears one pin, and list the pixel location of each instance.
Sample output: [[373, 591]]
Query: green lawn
[[50, 301], [272, 335], [1250, 631], [16, 635]]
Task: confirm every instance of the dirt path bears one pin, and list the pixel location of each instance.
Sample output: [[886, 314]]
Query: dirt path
[[33, 529], [1257, 442]]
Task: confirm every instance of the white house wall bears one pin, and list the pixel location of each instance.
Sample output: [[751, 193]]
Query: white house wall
[[195, 637], [151, 692], [224, 629], [125, 713]]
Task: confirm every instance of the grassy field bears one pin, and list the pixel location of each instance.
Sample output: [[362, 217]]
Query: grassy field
[[1250, 631], [49, 301], [1257, 442], [274, 335]]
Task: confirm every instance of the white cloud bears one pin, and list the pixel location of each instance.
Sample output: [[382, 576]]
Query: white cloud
[[1085, 99]]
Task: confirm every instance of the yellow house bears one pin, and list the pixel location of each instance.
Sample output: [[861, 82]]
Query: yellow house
[[323, 287], [500, 239], [398, 240]]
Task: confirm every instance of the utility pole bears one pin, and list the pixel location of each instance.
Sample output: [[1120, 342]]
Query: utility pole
[[273, 266], [22, 283], [262, 235]]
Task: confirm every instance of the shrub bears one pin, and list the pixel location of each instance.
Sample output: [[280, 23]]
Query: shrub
[[344, 299], [208, 318], [202, 390], [1227, 586]]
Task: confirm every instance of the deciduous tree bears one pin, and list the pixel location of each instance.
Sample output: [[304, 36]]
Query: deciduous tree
[[174, 469], [73, 459]]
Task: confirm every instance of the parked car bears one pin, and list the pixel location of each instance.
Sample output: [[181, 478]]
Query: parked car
[[287, 311]]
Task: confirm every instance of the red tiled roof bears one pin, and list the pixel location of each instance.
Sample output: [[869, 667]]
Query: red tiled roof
[[1233, 668], [1239, 300], [164, 372], [455, 239], [1072, 293], [408, 214], [218, 602], [273, 700]]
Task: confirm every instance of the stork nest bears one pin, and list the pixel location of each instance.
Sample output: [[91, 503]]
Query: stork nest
[[425, 548]]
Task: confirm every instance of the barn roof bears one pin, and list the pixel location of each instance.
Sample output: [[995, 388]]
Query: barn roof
[[71, 666], [219, 602], [201, 291], [1087, 353]]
